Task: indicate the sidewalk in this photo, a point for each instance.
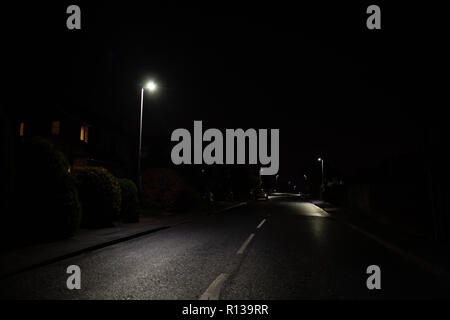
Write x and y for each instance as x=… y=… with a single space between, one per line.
x=428 y=254
x=24 y=258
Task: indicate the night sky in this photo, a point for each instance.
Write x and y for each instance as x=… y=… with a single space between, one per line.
x=332 y=87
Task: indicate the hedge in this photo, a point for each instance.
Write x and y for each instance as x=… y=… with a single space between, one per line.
x=165 y=189
x=45 y=193
x=130 y=202
x=161 y=188
x=100 y=196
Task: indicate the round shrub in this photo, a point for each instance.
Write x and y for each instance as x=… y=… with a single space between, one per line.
x=99 y=193
x=130 y=202
x=161 y=188
x=45 y=193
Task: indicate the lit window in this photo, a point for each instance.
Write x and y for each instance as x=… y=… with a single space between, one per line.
x=84 y=133
x=21 y=126
x=56 y=126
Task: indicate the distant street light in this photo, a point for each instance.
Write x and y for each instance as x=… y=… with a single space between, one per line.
x=322 y=185
x=321 y=161
x=150 y=86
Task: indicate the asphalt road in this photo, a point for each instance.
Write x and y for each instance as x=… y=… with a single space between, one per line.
x=277 y=249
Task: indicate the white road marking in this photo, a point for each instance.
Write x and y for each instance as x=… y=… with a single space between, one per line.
x=213 y=291
x=260 y=225
x=245 y=244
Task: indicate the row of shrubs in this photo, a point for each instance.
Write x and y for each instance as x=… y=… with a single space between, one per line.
x=164 y=189
x=52 y=202
x=105 y=198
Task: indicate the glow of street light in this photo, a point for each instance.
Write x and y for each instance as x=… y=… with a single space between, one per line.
x=320 y=159
x=151 y=86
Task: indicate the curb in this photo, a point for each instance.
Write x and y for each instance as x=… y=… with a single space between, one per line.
x=406 y=254
x=109 y=243
x=84 y=250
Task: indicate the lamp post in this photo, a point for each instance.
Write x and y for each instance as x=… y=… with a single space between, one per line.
x=322 y=185
x=150 y=86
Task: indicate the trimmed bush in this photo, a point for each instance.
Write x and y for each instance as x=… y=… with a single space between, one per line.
x=164 y=189
x=99 y=193
x=161 y=188
x=130 y=202
x=45 y=193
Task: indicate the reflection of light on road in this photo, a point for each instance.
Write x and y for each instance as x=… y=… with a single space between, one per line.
x=307 y=209
x=318 y=229
x=277 y=195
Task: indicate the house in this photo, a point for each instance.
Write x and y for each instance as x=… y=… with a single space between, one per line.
x=71 y=134
x=84 y=140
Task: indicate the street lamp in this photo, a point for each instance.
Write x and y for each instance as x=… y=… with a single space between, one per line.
x=150 y=86
x=321 y=161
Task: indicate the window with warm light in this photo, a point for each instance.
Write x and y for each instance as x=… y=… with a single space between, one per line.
x=84 y=133
x=56 y=127
x=21 y=127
